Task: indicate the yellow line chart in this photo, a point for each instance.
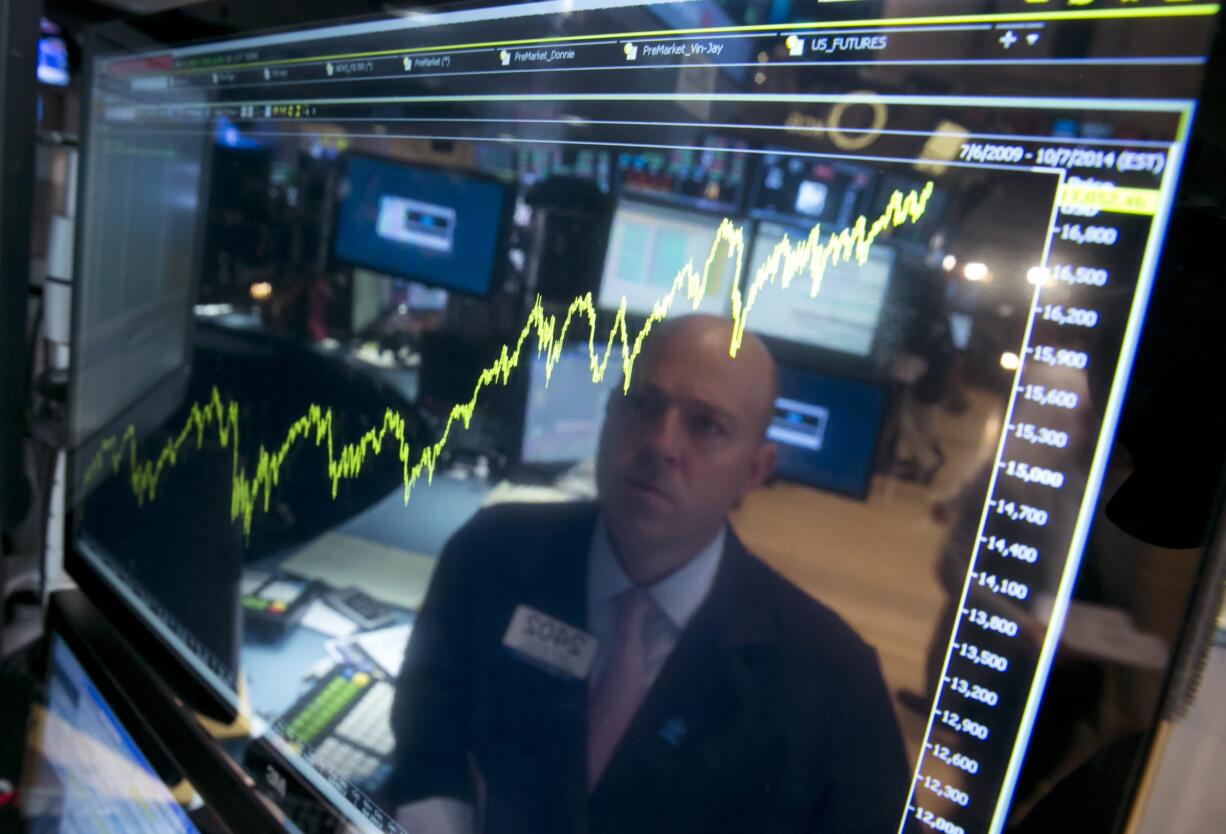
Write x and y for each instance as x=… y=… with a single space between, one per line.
x=787 y=261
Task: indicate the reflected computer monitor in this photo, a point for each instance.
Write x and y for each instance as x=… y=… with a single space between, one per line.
x=375 y=294
x=808 y=190
x=563 y=416
x=826 y=429
x=434 y=226
x=842 y=317
x=648 y=244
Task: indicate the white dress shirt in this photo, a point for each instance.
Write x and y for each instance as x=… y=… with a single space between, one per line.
x=676 y=597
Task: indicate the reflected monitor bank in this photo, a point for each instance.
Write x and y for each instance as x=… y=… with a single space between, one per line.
x=705 y=631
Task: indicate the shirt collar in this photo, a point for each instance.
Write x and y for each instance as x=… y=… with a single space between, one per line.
x=678 y=595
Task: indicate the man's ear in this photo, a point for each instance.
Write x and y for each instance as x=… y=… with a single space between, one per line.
x=760 y=467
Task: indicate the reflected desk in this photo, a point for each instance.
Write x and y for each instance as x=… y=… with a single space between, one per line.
x=388 y=551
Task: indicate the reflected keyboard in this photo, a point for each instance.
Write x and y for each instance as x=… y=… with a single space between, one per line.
x=345 y=719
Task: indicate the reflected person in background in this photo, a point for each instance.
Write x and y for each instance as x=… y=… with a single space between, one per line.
x=627 y=665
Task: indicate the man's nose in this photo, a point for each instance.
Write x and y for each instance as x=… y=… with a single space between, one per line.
x=665 y=435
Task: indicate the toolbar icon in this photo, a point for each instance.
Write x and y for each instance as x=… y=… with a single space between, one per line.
x=795 y=45
x=632 y=51
x=1032 y=38
x=504 y=57
x=408 y=63
x=330 y=69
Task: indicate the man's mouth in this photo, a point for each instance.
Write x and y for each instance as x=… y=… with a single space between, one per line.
x=648 y=487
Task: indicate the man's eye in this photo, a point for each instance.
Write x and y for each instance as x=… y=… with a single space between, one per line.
x=709 y=427
x=638 y=402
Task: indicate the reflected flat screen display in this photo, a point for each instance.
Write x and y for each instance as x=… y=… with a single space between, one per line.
x=435 y=226
x=723 y=624
x=562 y=419
x=826 y=429
x=842 y=316
x=646 y=242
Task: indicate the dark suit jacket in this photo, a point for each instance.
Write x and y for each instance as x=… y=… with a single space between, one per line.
x=770 y=715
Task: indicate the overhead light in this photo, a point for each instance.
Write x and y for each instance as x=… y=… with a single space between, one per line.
x=1040 y=276
x=975 y=271
x=1009 y=361
x=949 y=262
x=261 y=290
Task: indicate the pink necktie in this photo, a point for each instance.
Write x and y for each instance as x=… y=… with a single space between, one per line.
x=621 y=689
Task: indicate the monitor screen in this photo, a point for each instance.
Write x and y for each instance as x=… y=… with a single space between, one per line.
x=844 y=313
x=826 y=429
x=648 y=245
x=53 y=61
x=564 y=410
x=436 y=226
x=718 y=626
x=85 y=771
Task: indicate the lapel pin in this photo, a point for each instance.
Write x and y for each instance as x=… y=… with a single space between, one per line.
x=673 y=732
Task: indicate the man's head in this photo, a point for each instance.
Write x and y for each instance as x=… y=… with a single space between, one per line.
x=685 y=444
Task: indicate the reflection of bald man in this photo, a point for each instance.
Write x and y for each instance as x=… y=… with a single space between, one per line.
x=720 y=697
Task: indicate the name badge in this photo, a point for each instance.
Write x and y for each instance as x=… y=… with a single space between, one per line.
x=550 y=643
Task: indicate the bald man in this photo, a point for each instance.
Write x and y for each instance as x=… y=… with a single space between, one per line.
x=628 y=666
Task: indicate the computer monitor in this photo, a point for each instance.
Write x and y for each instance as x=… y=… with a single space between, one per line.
x=842 y=317
x=562 y=418
x=792 y=189
x=89 y=772
x=914 y=661
x=435 y=226
x=52 y=55
x=108 y=748
x=826 y=429
x=650 y=244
